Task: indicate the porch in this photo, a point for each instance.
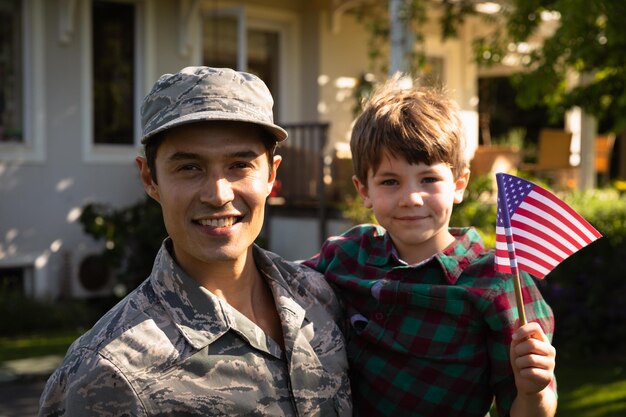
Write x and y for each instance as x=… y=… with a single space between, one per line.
x=303 y=206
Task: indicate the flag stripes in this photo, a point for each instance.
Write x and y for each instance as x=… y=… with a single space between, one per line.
x=542 y=230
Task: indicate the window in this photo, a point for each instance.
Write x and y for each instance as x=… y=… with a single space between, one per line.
x=112 y=77
x=22 y=110
x=113 y=34
x=258 y=53
x=11 y=94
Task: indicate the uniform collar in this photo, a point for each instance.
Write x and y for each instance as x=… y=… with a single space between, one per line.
x=198 y=314
x=453 y=260
x=202 y=317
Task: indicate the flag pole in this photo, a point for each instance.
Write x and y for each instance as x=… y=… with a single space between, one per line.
x=519 y=299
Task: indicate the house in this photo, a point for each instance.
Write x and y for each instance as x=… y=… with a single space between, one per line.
x=72 y=77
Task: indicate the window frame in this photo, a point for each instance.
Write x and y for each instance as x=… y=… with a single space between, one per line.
x=111 y=153
x=32 y=148
x=286 y=25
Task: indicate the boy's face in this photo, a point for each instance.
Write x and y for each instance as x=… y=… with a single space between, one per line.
x=213 y=181
x=413 y=202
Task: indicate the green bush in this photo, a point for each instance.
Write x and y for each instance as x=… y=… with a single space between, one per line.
x=478 y=209
x=132 y=234
x=33 y=316
x=588 y=291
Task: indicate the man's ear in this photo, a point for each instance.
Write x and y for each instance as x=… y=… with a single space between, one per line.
x=460 y=185
x=146 y=178
x=363 y=191
x=270 y=184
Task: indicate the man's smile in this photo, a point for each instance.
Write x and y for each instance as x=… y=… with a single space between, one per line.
x=219 y=222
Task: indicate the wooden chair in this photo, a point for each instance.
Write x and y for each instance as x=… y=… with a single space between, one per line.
x=553 y=159
x=604 y=148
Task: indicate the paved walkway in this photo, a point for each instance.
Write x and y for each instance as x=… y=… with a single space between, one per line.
x=21 y=384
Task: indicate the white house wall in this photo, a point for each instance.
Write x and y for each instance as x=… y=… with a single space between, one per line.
x=41 y=195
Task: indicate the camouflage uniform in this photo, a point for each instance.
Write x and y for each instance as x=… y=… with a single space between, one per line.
x=171 y=347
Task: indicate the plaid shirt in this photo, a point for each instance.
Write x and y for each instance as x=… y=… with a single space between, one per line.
x=430 y=339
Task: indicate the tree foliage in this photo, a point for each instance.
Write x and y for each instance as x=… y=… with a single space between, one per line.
x=589 y=42
x=374 y=16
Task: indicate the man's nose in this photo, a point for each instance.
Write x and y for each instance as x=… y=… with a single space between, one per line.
x=217 y=191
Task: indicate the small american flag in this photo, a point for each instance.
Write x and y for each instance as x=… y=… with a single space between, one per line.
x=535 y=230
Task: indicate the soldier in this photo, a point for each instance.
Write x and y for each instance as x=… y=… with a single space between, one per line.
x=221 y=327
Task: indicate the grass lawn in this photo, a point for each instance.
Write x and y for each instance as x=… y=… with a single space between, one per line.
x=587 y=388
x=591 y=388
x=36 y=345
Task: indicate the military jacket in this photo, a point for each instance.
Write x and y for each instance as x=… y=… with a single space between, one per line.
x=172 y=348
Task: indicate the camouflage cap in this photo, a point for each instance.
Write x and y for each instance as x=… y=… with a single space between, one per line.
x=201 y=94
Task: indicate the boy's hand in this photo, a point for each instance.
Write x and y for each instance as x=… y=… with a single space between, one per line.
x=532 y=359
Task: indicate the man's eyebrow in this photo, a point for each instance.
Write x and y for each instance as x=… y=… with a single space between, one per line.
x=185 y=156
x=182 y=156
x=245 y=154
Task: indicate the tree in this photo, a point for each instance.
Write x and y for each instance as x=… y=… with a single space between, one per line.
x=384 y=18
x=589 y=40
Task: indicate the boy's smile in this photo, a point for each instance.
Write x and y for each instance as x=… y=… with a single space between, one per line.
x=413 y=202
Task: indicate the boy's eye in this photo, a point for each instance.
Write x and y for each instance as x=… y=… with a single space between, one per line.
x=389 y=182
x=429 y=180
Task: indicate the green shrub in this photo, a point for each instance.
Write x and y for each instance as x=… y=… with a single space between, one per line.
x=33 y=316
x=588 y=291
x=132 y=234
x=478 y=209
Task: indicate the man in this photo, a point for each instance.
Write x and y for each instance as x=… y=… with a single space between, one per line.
x=221 y=327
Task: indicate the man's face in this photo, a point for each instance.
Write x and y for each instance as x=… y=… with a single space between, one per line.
x=213 y=180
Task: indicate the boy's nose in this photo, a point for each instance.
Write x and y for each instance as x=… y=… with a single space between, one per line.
x=412 y=198
x=217 y=192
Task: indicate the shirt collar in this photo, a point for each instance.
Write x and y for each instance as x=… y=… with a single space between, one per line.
x=453 y=260
x=198 y=314
x=202 y=317
x=467 y=247
x=381 y=250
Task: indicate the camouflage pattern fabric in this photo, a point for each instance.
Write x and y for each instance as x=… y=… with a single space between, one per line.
x=172 y=348
x=202 y=94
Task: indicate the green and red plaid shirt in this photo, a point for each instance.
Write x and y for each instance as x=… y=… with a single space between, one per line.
x=430 y=339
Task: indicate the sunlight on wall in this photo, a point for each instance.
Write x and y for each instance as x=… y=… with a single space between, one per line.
x=345 y=82
x=74 y=214
x=64 y=184
x=42 y=260
x=56 y=245
x=11 y=234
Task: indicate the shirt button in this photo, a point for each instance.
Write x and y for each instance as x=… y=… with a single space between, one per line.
x=379 y=316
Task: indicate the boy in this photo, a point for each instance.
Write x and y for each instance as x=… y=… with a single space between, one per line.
x=433 y=325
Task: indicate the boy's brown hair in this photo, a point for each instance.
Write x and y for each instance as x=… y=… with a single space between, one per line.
x=418 y=124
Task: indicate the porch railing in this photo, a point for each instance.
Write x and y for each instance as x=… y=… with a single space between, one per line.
x=300 y=179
